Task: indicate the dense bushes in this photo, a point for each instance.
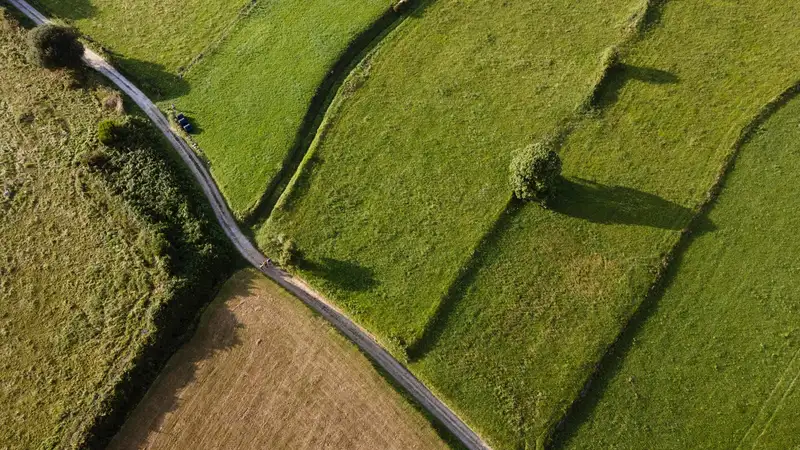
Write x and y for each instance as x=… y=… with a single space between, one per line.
x=535 y=170
x=53 y=46
x=193 y=249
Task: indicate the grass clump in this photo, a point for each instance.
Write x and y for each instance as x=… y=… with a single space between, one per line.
x=716 y=358
x=101 y=271
x=109 y=132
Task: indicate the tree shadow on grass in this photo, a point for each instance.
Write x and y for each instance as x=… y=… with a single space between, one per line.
x=598 y=203
x=345 y=275
x=152 y=78
x=219 y=330
x=616 y=78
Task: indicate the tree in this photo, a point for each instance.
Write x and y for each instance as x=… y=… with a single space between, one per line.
x=53 y=46
x=535 y=170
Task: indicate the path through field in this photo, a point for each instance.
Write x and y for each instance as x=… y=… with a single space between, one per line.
x=315 y=301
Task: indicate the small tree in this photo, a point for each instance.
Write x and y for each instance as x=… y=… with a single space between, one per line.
x=53 y=46
x=288 y=254
x=535 y=170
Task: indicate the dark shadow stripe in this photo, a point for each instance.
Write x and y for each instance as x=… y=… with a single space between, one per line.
x=613 y=358
x=319 y=105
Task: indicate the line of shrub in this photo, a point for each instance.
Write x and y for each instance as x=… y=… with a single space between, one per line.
x=193 y=248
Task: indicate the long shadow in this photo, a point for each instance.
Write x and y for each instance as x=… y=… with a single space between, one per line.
x=604 y=204
x=578 y=198
x=218 y=331
x=607 y=93
x=71 y=10
x=438 y=322
x=611 y=362
x=152 y=78
x=319 y=105
x=344 y=275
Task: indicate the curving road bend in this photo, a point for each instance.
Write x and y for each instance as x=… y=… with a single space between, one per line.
x=301 y=290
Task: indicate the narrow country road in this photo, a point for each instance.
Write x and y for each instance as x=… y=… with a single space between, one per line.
x=315 y=301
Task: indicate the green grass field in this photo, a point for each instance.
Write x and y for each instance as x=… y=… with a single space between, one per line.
x=526 y=323
x=410 y=170
x=248 y=94
x=251 y=95
x=88 y=275
x=154 y=39
x=716 y=363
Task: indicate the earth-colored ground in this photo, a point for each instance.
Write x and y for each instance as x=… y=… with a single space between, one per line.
x=264 y=372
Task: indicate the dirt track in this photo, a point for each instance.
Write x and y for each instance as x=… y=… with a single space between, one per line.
x=301 y=290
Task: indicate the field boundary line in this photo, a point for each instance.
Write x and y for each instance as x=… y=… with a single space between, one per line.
x=667 y=269
x=765 y=415
x=323 y=100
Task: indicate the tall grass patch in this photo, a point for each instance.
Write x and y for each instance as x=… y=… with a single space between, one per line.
x=105 y=258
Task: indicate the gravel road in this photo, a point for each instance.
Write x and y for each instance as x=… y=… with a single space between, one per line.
x=300 y=289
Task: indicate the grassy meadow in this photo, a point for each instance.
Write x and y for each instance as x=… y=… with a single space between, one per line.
x=251 y=96
x=99 y=273
x=531 y=314
x=716 y=363
x=248 y=71
x=262 y=371
x=153 y=41
x=410 y=168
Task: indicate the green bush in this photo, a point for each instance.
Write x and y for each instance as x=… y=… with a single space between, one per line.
x=401 y=6
x=53 y=46
x=535 y=170
x=284 y=250
x=109 y=132
x=288 y=255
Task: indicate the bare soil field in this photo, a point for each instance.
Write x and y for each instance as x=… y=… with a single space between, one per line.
x=263 y=372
